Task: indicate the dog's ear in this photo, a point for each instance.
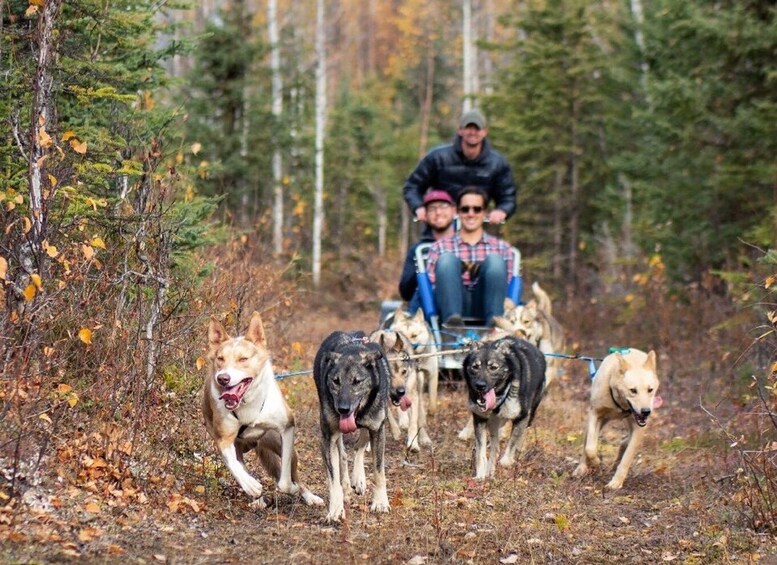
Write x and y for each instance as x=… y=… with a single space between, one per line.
x=650 y=362
x=623 y=365
x=255 y=332
x=509 y=304
x=400 y=313
x=371 y=356
x=419 y=315
x=332 y=358
x=216 y=336
x=504 y=346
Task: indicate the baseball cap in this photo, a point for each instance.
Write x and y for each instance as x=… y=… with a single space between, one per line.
x=437 y=196
x=472 y=117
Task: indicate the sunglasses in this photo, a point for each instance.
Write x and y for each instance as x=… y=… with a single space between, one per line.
x=467 y=209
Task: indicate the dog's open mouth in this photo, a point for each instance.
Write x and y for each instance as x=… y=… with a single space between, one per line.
x=487 y=401
x=403 y=402
x=234 y=394
x=640 y=417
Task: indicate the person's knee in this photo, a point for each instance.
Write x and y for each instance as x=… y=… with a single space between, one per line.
x=448 y=265
x=494 y=265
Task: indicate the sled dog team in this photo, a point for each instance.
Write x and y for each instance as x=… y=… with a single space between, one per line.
x=362 y=380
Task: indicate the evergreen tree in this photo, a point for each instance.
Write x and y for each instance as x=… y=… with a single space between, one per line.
x=707 y=161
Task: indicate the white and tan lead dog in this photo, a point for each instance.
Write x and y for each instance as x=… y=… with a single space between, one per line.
x=244 y=409
x=624 y=388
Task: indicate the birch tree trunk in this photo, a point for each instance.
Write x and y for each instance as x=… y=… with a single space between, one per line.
x=40 y=140
x=467 y=54
x=318 y=207
x=277 y=109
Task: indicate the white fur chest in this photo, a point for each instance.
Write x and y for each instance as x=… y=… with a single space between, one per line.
x=263 y=405
x=511 y=407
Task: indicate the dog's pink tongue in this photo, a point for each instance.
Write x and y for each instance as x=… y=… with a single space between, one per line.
x=657 y=402
x=490 y=399
x=348 y=423
x=405 y=403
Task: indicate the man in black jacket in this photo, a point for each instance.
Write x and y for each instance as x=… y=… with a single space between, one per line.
x=468 y=161
x=440 y=210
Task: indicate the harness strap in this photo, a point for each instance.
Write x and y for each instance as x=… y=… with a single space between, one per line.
x=624 y=410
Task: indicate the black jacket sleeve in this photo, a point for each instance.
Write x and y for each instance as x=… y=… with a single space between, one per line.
x=504 y=188
x=423 y=177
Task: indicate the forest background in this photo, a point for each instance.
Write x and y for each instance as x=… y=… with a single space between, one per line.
x=163 y=162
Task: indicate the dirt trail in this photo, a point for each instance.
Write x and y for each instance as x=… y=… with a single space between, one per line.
x=670 y=508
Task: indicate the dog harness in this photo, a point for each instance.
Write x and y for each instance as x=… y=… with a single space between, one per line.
x=624 y=410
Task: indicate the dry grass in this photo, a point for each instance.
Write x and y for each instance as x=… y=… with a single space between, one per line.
x=168 y=498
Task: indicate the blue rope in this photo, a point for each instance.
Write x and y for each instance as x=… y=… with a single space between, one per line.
x=282 y=376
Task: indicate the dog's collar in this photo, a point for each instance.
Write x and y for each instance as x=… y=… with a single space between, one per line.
x=513 y=386
x=621 y=408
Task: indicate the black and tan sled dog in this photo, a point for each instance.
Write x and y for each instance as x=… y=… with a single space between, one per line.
x=505 y=382
x=352 y=379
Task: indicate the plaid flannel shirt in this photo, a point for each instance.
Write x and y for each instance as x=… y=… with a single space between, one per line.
x=471 y=256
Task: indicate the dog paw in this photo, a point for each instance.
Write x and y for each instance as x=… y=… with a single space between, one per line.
x=359 y=483
x=251 y=487
x=380 y=506
x=507 y=462
x=413 y=446
x=311 y=499
x=580 y=471
x=258 y=504
x=288 y=487
x=614 y=484
x=425 y=440
x=335 y=515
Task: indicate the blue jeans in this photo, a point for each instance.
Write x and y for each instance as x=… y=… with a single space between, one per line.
x=485 y=299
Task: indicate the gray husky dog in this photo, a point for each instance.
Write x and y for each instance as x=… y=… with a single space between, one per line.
x=352 y=379
x=505 y=381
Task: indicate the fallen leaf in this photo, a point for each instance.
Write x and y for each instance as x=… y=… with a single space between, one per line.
x=29 y=292
x=85 y=335
x=512 y=558
x=88 y=534
x=88 y=251
x=92 y=507
x=78 y=147
x=45 y=418
x=36 y=280
x=3 y=267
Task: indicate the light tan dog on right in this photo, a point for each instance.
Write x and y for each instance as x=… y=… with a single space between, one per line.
x=624 y=388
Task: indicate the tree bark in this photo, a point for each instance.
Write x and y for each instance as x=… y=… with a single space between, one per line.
x=277 y=110
x=467 y=55
x=40 y=118
x=318 y=207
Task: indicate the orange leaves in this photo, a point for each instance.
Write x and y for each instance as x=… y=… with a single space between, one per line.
x=85 y=335
x=178 y=503
x=3 y=268
x=78 y=146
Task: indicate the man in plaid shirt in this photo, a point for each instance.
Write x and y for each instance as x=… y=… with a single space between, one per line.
x=471 y=270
